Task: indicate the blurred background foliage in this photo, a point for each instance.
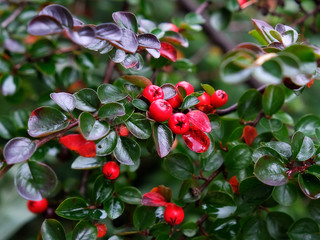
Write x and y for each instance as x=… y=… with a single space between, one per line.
x=26 y=83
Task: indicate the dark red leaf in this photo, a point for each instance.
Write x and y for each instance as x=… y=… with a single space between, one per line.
x=153 y=199
x=200 y=120
x=196 y=140
x=109 y=31
x=164 y=191
x=128 y=42
x=149 y=40
x=76 y=142
x=249 y=134
x=44 y=25
x=126 y=20
x=153 y=52
x=234 y=184
x=175 y=38
x=60 y=13
x=168 y=51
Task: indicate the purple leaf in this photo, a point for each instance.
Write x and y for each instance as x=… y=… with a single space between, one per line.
x=60 y=13
x=117 y=55
x=99 y=45
x=153 y=52
x=77 y=23
x=126 y=20
x=44 y=25
x=146 y=25
x=82 y=36
x=109 y=31
x=13 y=46
x=128 y=42
x=130 y=61
x=149 y=40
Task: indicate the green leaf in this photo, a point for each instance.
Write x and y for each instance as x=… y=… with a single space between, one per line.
x=278 y=224
x=189 y=101
x=272 y=99
x=314 y=170
x=264 y=151
x=233 y=72
x=92 y=129
x=220 y=19
x=302 y=147
x=46 y=120
x=249 y=105
x=208 y=88
x=47 y=67
x=98 y=214
x=189 y=229
x=65 y=100
x=270 y=171
x=304 y=228
x=269 y=72
x=42 y=48
x=102 y=189
x=107 y=144
x=87 y=163
x=68 y=76
x=290 y=64
x=84 y=230
x=132 y=90
x=139 y=126
x=284 y=149
x=310 y=185
x=272 y=125
x=130 y=195
x=73 y=208
x=308 y=125
x=193 y=18
x=108 y=93
x=139 y=81
x=185 y=65
x=239 y=157
x=179 y=166
x=129 y=110
x=160 y=229
x=127 y=151
x=254 y=191
x=143 y=217
x=163 y=139
x=314 y=210
x=219 y=205
x=87 y=100
x=254 y=228
x=20 y=118
x=212 y=162
x=114 y=207
x=140 y=104
x=18 y=149
x=85 y=61
x=285 y=195
x=52 y=229
x=35 y=180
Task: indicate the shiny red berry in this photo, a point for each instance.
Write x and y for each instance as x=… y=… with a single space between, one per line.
x=153 y=92
x=123 y=131
x=204 y=99
x=37 y=206
x=173 y=214
x=179 y=123
x=160 y=110
x=187 y=86
x=219 y=98
x=175 y=102
x=102 y=230
x=111 y=170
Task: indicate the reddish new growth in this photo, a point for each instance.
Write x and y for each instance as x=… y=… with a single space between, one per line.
x=300 y=169
x=234 y=184
x=249 y=134
x=76 y=142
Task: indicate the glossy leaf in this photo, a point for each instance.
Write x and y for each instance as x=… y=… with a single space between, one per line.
x=174 y=38
x=278 y=224
x=87 y=100
x=128 y=41
x=82 y=36
x=149 y=40
x=126 y=20
x=46 y=67
x=140 y=104
x=179 y=166
x=114 y=207
x=102 y=189
x=196 y=140
x=108 y=93
x=91 y=128
x=73 y=208
x=168 y=51
x=271 y=125
x=239 y=157
x=304 y=228
x=143 y=217
x=65 y=100
x=129 y=194
x=52 y=229
x=84 y=230
x=302 y=147
x=284 y=149
x=254 y=191
x=254 y=228
x=308 y=124
x=60 y=13
x=76 y=142
x=270 y=171
x=44 y=25
x=264 y=151
x=139 y=81
x=212 y=162
x=129 y=110
x=200 y=120
x=310 y=185
x=168 y=90
x=163 y=139
x=270 y=72
x=87 y=163
x=18 y=149
x=139 y=126
x=189 y=101
x=109 y=31
x=232 y=72
x=249 y=105
x=153 y=199
x=272 y=99
x=285 y=195
x=127 y=151
x=111 y=110
x=107 y=144
x=35 y=180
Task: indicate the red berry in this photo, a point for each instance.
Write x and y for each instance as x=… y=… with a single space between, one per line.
x=160 y=110
x=173 y=214
x=241 y=2
x=102 y=230
x=37 y=206
x=179 y=123
x=219 y=98
x=187 y=86
x=111 y=170
x=204 y=99
x=123 y=131
x=175 y=102
x=173 y=27
x=153 y=92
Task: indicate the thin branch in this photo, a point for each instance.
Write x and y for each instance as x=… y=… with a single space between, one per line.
x=109 y=71
x=202 y=7
x=13 y=16
x=306 y=16
x=83 y=182
x=5 y=170
x=210 y=179
x=154 y=75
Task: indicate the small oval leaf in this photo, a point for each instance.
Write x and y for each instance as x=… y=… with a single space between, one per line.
x=18 y=149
